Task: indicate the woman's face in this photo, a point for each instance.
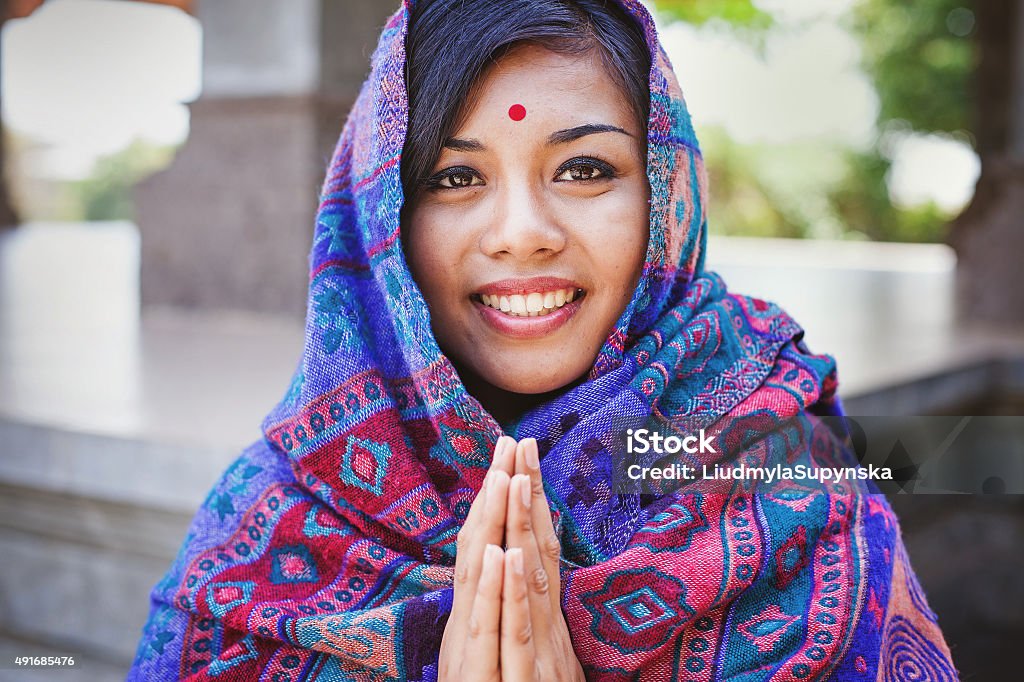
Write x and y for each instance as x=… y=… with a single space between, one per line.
x=529 y=238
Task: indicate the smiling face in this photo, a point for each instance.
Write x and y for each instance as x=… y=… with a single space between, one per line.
x=529 y=236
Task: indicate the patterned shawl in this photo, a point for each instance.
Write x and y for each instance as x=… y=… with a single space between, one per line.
x=326 y=551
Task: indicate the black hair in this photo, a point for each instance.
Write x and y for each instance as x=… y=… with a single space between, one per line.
x=451 y=42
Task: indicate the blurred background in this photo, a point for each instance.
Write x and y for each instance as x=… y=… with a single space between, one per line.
x=161 y=163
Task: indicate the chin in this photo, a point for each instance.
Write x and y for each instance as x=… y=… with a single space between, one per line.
x=538 y=380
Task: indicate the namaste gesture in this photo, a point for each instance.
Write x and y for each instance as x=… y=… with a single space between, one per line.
x=506 y=622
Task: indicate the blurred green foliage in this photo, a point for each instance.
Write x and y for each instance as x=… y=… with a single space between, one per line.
x=920 y=57
x=770 y=190
x=861 y=201
x=737 y=13
x=107 y=193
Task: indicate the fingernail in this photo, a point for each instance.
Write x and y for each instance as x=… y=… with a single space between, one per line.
x=532 y=460
x=524 y=489
x=515 y=555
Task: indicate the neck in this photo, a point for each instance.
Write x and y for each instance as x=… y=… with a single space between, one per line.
x=507 y=406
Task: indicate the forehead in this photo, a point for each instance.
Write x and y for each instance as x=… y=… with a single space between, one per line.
x=549 y=85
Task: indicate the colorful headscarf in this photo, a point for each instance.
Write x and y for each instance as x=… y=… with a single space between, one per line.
x=326 y=551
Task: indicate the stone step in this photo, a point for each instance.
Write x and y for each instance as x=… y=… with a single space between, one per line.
x=78 y=570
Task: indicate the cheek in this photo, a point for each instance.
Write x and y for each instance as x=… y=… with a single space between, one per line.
x=426 y=253
x=617 y=239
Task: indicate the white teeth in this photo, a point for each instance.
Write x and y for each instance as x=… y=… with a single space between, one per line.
x=533 y=304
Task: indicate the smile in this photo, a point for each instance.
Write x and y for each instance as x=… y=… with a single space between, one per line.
x=531 y=304
x=528 y=308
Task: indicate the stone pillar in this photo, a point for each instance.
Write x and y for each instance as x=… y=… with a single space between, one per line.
x=989 y=235
x=229 y=224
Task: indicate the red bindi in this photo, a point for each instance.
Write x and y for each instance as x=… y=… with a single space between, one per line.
x=517 y=112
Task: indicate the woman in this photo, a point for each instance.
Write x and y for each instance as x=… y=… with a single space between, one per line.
x=507 y=274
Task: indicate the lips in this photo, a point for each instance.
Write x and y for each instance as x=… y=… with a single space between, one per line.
x=530 y=304
x=529 y=308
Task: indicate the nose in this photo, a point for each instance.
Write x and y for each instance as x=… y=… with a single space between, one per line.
x=523 y=225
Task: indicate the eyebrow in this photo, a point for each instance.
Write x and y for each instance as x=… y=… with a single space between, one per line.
x=571 y=134
x=557 y=137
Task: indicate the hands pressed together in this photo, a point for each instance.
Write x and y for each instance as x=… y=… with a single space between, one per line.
x=506 y=622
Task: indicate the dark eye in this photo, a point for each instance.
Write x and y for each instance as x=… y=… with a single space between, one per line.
x=460 y=179
x=454 y=178
x=584 y=169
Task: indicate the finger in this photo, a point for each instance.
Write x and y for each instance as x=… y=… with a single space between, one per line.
x=518 y=654
x=504 y=455
x=503 y=458
x=519 y=534
x=488 y=529
x=482 y=526
x=503 y=451
x=548 y=545
x=480 y=656
x=520 y=457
